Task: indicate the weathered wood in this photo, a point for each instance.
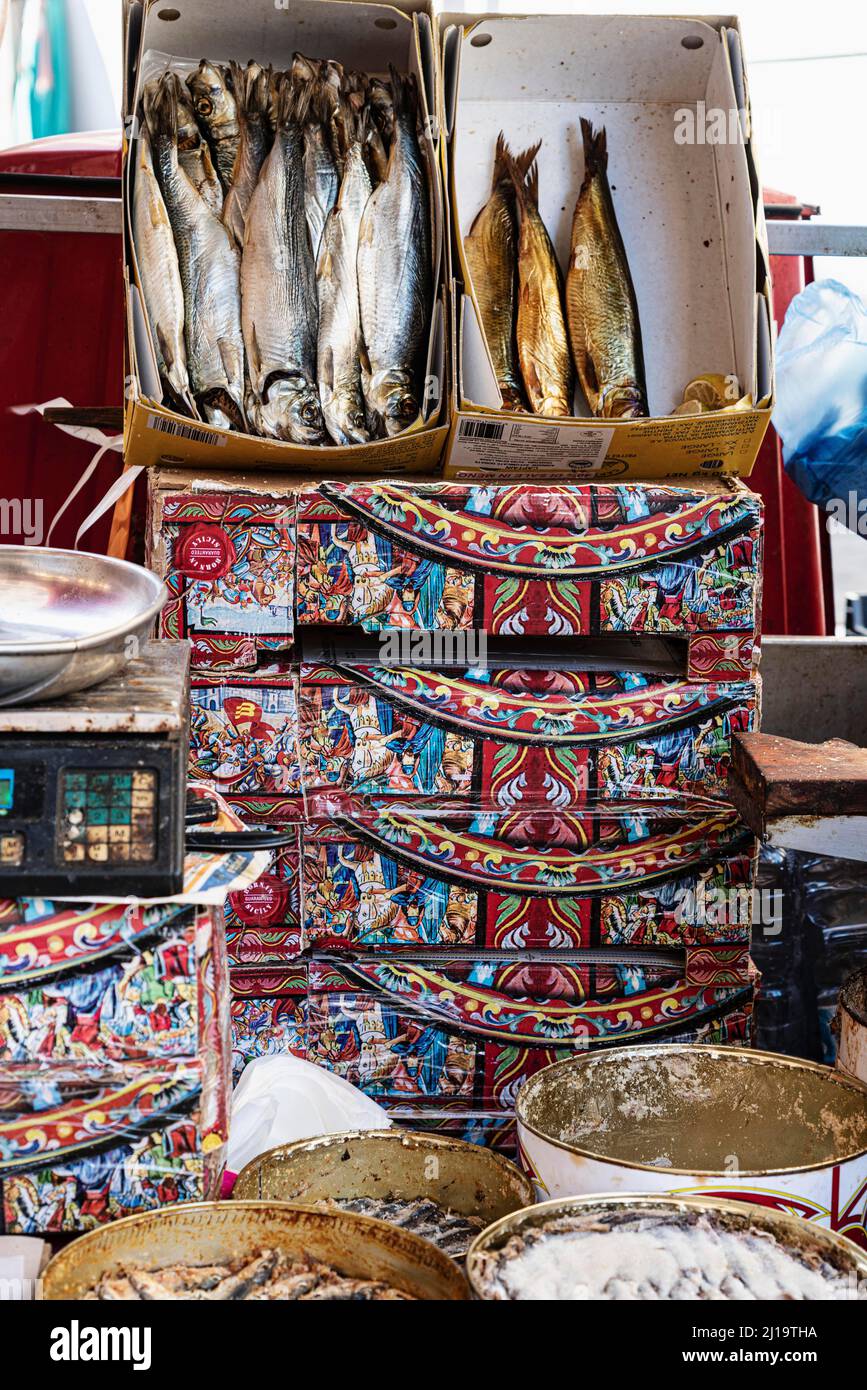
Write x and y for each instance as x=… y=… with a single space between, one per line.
x=773 y=778
x=101 y=417
x=150 y=695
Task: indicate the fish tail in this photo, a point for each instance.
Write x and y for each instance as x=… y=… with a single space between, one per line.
x=524 y=178
x=525 y=160
x=404 y=93
x=294 y=102
x=161 y=107
x=595 y=151
x=502 y=155
x=252 y=89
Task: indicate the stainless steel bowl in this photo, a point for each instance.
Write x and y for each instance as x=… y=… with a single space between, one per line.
x=198 y=1233
x=69 y=619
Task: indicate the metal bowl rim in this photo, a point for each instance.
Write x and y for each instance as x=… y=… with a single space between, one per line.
x=447 y=1267
x=94 y=639
x=725 y=1205
x=647 y=1050
x=392 y=1134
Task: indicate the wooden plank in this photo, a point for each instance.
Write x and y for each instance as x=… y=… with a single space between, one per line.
x=773 y=777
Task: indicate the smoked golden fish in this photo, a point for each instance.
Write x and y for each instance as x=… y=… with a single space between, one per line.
x=543 y=344
x=601 y=309
x=491 y=250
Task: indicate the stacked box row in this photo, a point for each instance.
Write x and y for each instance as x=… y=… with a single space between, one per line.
x=249 y=564
x=114 y=1060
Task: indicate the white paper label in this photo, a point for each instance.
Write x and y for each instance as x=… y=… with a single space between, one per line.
x=180 y=430
x=510 y=446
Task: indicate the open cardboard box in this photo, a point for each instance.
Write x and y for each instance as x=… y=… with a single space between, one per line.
x=365 y=36
x=690 y=216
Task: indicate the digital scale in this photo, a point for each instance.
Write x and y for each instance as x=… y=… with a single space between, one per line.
x=93 y=785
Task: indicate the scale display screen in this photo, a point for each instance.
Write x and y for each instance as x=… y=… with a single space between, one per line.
x=7 y=789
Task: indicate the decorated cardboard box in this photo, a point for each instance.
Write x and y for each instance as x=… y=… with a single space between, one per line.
x=243 y=735
x=539 y=560
x=227 y=556
x=111 y=983
x=511 y=735
x=83 y=1144
x=404 y=877
x=269 y=1012
x=462 y=1033
x=263 y=922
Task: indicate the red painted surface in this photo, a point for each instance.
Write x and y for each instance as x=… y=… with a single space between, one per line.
x=795 y=571
x=61 y=330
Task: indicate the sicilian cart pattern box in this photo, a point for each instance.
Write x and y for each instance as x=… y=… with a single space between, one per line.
x=244 y=734
x=398 y=877
x=263 y=922
x=539 y=560
x=114 y=1060
x=446 y=1034
x=228 y=562
x=269 y=1012
x=84 y=1144
x=511 y=736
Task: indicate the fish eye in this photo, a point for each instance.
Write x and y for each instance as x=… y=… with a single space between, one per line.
x=204 y=106
x=357 y=420
x=309 y=414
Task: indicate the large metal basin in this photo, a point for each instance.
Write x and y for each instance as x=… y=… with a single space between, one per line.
x=199 y=1233
x=69 y=620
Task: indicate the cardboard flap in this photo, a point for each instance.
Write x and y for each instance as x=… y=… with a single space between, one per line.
x=540 y=715
x=470 y=1008
x=559 y=541
x=476 y=858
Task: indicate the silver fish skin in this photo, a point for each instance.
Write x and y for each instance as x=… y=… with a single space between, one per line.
x=278 y=288
x=194 y=153
x=321 y=182
x=209 y=269
x=252 y=87
x=394 y=272
x=160 y=275
x=215 y=107
x=338 y=358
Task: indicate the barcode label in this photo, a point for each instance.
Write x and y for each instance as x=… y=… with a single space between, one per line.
x=481 y=429
x=181 y=430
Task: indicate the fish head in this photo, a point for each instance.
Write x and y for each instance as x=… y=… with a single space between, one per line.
x=347 y=423
x=292 y=411
x=392 y=397
x=212 y=99
x=625 y=401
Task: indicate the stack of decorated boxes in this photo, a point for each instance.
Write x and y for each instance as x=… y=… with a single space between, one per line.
x=511 y=710
x=114 y=1060
x=225 y=546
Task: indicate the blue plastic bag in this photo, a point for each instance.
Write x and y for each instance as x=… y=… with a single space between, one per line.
x=821 y=412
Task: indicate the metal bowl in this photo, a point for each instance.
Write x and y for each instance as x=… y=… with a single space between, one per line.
x=67 y=619
x=390 y=1163
x=792 y=1231
x=213 y=1232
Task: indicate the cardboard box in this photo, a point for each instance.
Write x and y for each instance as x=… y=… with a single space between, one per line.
x=463 y=1034
x=360 y=35
x=269 y=1012
x=539 y=560
x=244 y=734
x=672 y=96
x=228 y=561
x=413 y=876
x=514 y=736
x=263 y=922
x=110 y=1142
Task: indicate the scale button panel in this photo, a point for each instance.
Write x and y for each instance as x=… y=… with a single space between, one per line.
x=107 y=815
x=11 y=851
